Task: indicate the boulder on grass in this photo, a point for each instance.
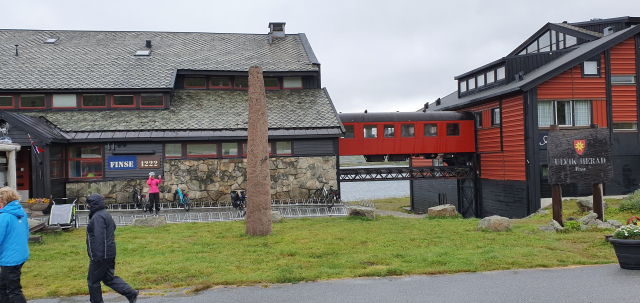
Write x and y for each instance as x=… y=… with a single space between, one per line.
x=275 y=216
x=154 y=221
x=586 y=204
x=556 y=226
x=446 y=210
x=588 y=219
x=546 y=228
x=357 y=211
x=495 y=223
x=615 y=223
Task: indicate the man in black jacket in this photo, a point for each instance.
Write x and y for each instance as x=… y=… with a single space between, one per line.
x=101 y=246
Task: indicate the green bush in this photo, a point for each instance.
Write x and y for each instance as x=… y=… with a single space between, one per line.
x=572 y=225
x=631 y=203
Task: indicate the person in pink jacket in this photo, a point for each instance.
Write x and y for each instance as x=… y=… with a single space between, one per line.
x=154 y=193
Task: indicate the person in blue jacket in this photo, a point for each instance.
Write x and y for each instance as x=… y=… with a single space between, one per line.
x=14 y=246
x=101 y=247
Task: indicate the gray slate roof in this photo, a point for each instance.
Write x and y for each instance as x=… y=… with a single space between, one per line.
x=105 y=60
x=197 y=110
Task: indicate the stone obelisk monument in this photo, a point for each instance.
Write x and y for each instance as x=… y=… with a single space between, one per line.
x=258 y=179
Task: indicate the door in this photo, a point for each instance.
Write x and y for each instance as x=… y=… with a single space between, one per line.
x=23 y=169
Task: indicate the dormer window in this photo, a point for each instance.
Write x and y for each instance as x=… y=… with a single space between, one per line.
x=549 y=41
x=472 y=83
x=491 y=77
x=480 y=80
x=463 y=86
x=500 y=72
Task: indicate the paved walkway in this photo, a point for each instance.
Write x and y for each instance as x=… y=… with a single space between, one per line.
x=602 y=283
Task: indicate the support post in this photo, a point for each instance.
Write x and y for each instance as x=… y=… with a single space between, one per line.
x=12 y=180
x=556 y=193
x=598 y=208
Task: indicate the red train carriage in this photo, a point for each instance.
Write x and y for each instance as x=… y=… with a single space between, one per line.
x=397 y=136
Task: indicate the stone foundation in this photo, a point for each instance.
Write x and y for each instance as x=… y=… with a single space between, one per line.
x=214 y=179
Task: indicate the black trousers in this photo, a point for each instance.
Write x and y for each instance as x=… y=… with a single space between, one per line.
x=104 y=271
x=154 y=200
x=10 y=288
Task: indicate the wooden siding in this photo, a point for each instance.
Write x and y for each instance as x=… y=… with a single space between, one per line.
x=492 y=166
x=313 y=148
x=486 y=118
x=489 y=140
x=132 y=149
x=513 y=138
x=600 y=112
x=625 y=104
x=571 y=85
x=623 y=58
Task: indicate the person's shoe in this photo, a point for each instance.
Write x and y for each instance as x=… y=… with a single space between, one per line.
x=135 y=297
x=157 y=211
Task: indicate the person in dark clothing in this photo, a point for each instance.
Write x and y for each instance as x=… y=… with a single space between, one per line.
x=14 y=249
x=101 y=247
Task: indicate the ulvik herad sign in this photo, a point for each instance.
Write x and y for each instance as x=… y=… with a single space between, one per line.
x=579 y=156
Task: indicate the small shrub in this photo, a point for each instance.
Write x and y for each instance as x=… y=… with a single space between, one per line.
x=631 y=203
x=572 y=226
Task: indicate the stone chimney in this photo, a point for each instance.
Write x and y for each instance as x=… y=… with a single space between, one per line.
x=276 y=30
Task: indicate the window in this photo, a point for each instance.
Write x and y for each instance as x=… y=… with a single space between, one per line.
x=32 y=101
x=495 y=116
x=545 y=171
x=389 y=131
x=532 y=48
x=271 y=83
x=563 y=113
x=430 y=130
x=582 y=113
x=554 y=44
x=453 y=129
x=570 y=41
x=478 y=119
x=173 y=150
x=545 y=113
x=57 y=157
x=6 y=102
x=202 y=150
x=123 y=101
x=349 y=132
x=560 y=40
x=544 y=42
x=85 y=161
x=143 y=53
x=625 y=126
x=472 y=83
x=480 y=80
x=91 y=100
x=195 y=82
x=241 y=82
x=245 y=150
x=590 y=68
x=229 y=149
x=370 y=131
x=64 y=101
x=614 y=80
x=292 y=82
x=463 y=86
x=407 y=130
x=283 y=148
x=151 y=100
x=220 y=83
x=491 y=77
x=500 y=73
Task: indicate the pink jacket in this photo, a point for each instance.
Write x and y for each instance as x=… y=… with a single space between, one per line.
x=153 y=185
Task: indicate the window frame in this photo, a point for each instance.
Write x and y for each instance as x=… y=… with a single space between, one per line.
x=301 y=83
x=87 y=160
x=453 y=123
x=598 y=73
x=555 y=117
x=554 y=113
x=184 y=83
x=240 y=88
x=283 y=154
x=493 y=78
x=123 y=106
x=164 y=151
x=65 y=165
x=151 y=106
x=211 y=86
x=484 y=80
x=623 y=83
x=388 y=126
x=465 y=86
x=353 y=128
x=204 y=155
x=230 y=156
x=478 y=119
x=625 y=129
x=63 y=107
x=407 y=124
x=493 y=117
x=23 y=107
x=244 y=146
x=504 y=72
x=13 y=101
x=424 y=133
x=82 y=101
x=272 y=87
x=372 y=126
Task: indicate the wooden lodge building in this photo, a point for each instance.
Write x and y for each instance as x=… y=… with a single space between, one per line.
x=107 y=108
x=569 y=74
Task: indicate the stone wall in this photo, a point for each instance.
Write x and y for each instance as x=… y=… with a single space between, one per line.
x=214 y=179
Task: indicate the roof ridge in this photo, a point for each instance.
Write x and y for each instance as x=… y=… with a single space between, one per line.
x=580 y=29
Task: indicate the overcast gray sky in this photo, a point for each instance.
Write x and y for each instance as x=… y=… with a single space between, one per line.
x=376 y=55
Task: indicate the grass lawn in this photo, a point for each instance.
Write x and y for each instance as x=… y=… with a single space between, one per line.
x=218 y=253
x=395 y=204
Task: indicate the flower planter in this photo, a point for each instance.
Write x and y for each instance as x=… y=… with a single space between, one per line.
x=628 y=252
x=38 y=206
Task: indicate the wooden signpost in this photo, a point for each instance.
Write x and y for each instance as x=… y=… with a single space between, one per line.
x=580 y=156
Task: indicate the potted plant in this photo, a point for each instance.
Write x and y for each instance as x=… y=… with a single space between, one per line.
x=626 y=242
x=38 y=204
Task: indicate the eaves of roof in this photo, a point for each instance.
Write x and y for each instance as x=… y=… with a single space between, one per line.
x=499 y=61
x=581 y=53
x=34 y=126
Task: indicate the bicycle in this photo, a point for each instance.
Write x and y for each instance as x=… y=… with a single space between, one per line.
x=141 y=200
x=239 y=202
x=182 y=199
x=328 y=197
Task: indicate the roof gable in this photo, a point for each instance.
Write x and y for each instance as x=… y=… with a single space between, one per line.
x=543 y=34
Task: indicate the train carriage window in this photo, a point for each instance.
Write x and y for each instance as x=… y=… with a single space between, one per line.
x=479 y=120
x=349 y=132
x=407 y=130
x=389 y=131
x=495 y=116
x=430 y=130
x=370 y=131
x=453 y=129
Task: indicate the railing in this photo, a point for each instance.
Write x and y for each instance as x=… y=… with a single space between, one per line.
x=212 y=204
x=404 y=173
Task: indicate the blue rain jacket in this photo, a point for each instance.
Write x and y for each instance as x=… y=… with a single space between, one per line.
x=14 y=235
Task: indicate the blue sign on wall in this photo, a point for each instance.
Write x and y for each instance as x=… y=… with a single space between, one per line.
x=122 y=162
